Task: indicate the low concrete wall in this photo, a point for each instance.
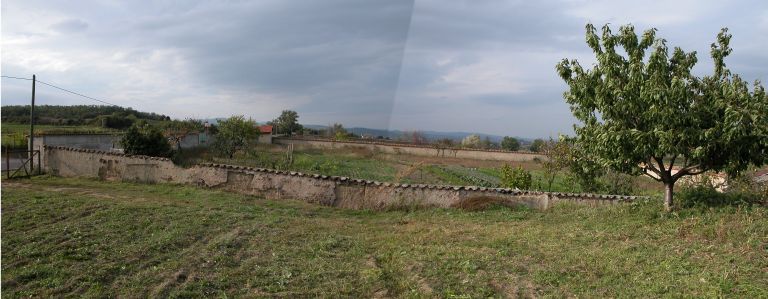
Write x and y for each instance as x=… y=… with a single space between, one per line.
x=327 y=190
x=412 y=149
x=89 y=141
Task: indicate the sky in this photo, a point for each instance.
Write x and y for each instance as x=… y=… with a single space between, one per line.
x=482 y=66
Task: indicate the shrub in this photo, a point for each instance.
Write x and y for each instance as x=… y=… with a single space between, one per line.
x=515 y=177
x=145 y=139
x=702 y=195
x=618 y=183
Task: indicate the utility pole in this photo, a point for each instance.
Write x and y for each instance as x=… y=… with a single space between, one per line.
x=32 y=127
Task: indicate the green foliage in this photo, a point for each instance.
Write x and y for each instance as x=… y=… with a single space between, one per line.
x=341 y=136
x=537 y=145
x=145 y=139
x=510 y=143
x=703 y=196
x=515 y=177
x=287 y=123
x=77 y=115
x=338 y=132
x=234 y=134
x=462 y=176
x=614 y=182
x=644 y=114
x=559 y=157
x=115 y=120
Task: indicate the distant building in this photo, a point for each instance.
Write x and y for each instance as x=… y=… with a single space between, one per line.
x=267 y=132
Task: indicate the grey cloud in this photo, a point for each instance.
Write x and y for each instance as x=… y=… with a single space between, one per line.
x=70 y=26
x=430 y=65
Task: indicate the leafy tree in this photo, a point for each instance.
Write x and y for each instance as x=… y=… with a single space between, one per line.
x=234 y=134
x=510 y=143
x=583 y=167
x=537 y=145
x=558 y=158
x=471 y=141
x=145 y=139
x=287 y=123
x=650 y=115
x=515 y=177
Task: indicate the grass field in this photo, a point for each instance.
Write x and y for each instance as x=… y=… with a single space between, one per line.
x=364 y=164
x=73 y=237
x=13 y=135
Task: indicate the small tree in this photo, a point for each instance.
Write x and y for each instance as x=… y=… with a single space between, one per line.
x=176 y=130
x=444 y=143
x=234 y=134
x=337 y=130
x=515 y=177
x=287 y=123
x=471 y=141
x=558 y=157
x=537 y=145
x=510 y=143
x=145 y=139
x=651 y=115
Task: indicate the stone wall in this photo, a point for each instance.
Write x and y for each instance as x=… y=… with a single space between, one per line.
x=412 y=149
x=327 y=190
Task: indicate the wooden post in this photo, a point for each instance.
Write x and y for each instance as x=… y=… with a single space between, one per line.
x=32 y=126
x=7 y=164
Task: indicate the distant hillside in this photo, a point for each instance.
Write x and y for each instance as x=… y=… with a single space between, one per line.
x=109 y=116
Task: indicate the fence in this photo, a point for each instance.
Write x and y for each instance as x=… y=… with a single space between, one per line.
x=21 y=163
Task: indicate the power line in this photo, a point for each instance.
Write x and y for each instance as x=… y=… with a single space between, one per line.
x=64 y=89
x=75 y=93
x=16 y=78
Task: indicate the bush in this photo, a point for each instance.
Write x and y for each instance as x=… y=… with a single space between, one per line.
x=703 y=195
x=515 y=177
x=618 y=183
x=144 y=139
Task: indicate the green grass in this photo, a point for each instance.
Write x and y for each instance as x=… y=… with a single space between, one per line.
x=78 y=237
x=13 y=135
x=368 y=165
x=328 y=162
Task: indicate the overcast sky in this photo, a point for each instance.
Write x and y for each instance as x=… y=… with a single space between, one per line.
x=480 y=66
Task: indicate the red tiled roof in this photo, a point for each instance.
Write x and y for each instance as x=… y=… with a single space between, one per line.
x=265 y=129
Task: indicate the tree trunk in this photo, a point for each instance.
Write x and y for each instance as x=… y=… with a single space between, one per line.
x=668 y=196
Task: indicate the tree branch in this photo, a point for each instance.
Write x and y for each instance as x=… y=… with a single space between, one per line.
x=645 y=172
x=672 y=163
x=688 y=170
x=665 y=172
x=649 y=165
